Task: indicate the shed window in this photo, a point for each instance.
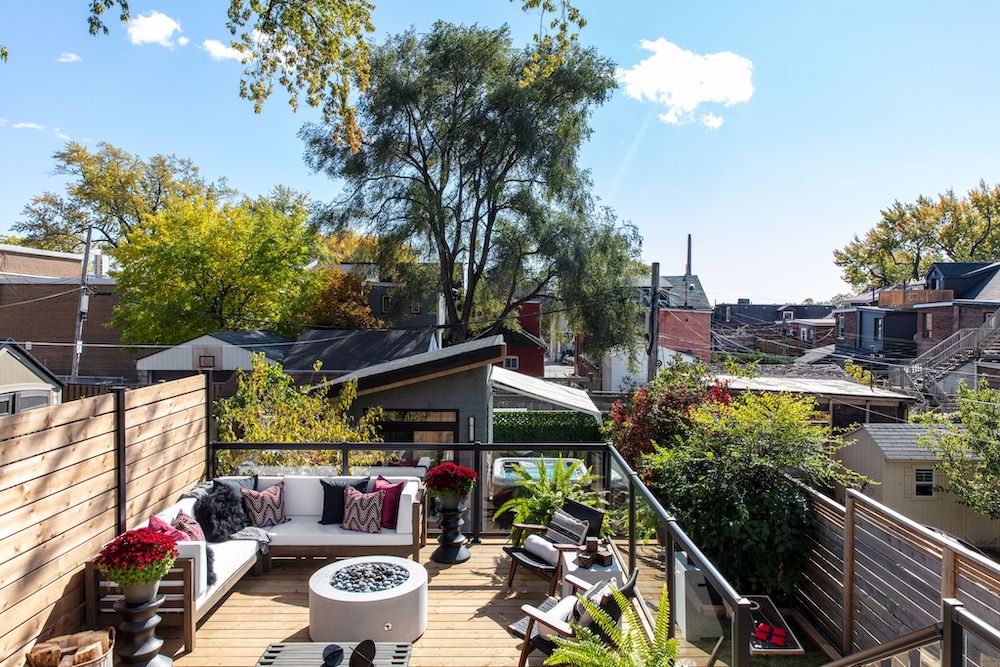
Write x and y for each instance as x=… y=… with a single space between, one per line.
x=928 y=325
x=415 y=308
x=787 y=314
x=385 y=303
x=729 y=313
x=877 y=326
x=924 y=482
x=29 y=400
x=6 y=404
x=840 y=326
x=512 y=363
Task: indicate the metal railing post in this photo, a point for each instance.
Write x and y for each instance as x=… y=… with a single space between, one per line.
x=477 y=498
x=121 y=480
x=632 y=527
x=671 y=578
x=345 y=460
x=847 y=619
x=953 y=637
x=741 y=634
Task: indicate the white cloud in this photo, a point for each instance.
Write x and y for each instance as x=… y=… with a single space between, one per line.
x=712 y=121
x=59 y=133
x=28 y=126
x=154 y=28
x=3 y=121
x=683 y=80
x=183 y=41
x=219 y=51
x=67 y=57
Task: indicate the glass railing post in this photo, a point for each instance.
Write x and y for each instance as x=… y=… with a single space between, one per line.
x=480 y=489
x=953 y=639
x=606 y=471
x=741 y=633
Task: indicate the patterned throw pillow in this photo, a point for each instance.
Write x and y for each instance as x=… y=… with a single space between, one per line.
x=595 y=595
x=566 y=529
x=186 y=523
x=161 y=526
x=363 y=511
x=267 y=507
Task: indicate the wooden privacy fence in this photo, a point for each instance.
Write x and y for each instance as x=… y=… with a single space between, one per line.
x=72 y=477
x=873 y=575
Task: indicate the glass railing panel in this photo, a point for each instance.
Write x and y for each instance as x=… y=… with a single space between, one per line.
x=702 y=618
x=980 y=653
x=925 y=656
x=617 y=517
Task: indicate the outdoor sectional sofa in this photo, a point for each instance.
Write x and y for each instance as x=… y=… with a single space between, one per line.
x=189 y=597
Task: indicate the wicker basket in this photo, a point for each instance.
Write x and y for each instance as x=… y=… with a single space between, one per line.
x=106 y=660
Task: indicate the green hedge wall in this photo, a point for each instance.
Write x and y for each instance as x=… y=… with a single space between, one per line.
x=545 y=426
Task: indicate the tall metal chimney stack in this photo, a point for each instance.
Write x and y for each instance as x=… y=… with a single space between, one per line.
x=687 y=271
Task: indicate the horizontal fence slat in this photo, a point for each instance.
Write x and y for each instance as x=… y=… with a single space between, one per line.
x=158 y=392
x=87 y=492
x=29 y=469
x=136 y=436
x=163 y=495
x=14 y=426
x=36 y=444
x=49 y=527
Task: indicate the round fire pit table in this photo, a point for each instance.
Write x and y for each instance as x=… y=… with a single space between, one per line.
x=383 y=598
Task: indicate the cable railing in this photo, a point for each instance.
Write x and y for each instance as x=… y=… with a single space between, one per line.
x=623 y=489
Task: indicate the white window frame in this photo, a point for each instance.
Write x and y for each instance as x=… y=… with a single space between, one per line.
x=512 y=362
x=729 y=313
x=788 y=315
x=926 y=484
x=878 y=328
x=841 y=326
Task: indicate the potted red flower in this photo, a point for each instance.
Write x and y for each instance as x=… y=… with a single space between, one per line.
x=137 y=560
x=450 y=483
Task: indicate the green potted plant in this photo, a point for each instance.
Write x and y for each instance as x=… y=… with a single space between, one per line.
x=616 y=646
x=537 y=499
x=137 y=560
x=450 y=483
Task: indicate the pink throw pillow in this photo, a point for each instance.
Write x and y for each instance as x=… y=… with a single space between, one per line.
x=390 y=506
x=161 y=526
x=186 y=523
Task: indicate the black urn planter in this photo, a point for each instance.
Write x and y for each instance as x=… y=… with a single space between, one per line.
x=453 y=544
x=137 y=641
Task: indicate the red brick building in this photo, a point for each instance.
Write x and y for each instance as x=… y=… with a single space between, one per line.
x=39 y=299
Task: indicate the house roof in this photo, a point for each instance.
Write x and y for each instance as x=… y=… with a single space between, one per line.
x=257 y=340
x=957 y=269
x=900 y=442
x=426 y=365
x=813 y=386
x=549 y=392
x=29 y=360
x=988 y=288
x=683 y=292
x=350 y=350
x=815 y=322
x=522 y=338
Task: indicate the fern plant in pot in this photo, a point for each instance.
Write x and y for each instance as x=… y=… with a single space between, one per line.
x=538 y=497
x=611 y=645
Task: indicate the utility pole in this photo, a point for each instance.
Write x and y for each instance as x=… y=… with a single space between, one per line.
x=653 y=348
x=81 y=313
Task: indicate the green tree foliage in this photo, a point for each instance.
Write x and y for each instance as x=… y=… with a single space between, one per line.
x=628 y=644
x=111 y=189
x=969 y=451
x=200 y=266
x=481 y=174
x=911 y=236
x=724 y=476
x=269 y=407
x=858 y=373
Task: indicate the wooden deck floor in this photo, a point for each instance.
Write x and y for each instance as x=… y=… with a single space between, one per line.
x=469 y=611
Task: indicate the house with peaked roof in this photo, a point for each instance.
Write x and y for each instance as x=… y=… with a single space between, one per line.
x=341 y=351
x=25 y=382
x=525 y=346
x=965 y=295
x=910 y=482
x=218 y=354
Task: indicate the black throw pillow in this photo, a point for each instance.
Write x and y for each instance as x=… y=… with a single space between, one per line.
x=333 y=497
x=239 y=482
x=220 y=513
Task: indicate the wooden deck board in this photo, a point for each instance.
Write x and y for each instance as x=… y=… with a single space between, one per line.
x=469 y=610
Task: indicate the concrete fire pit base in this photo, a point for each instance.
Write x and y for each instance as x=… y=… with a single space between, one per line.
x=398 y=614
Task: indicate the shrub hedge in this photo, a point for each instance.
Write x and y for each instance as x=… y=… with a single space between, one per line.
x=545 y=426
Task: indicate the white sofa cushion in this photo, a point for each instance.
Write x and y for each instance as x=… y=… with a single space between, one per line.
x=307 y=531
x=229 y=557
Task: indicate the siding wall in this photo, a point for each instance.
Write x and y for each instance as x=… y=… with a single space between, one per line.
x=58 y=473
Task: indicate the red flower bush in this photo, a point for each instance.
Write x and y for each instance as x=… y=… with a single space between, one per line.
x=449 y=479
x=139 y=556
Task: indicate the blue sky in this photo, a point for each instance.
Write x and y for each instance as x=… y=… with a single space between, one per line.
x=828 y=111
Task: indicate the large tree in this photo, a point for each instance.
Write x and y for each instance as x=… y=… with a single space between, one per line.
x=318 y=49
x=199 y=266
x=479 y=173
x=909 y=237
x=111 y=189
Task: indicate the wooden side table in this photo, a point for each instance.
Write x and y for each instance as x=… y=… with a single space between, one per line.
x=310 y=654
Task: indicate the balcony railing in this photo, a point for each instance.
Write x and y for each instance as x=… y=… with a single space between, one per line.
x=903 y=298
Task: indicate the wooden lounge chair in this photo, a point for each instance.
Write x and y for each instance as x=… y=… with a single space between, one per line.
x=537 y=566
x=527 y=629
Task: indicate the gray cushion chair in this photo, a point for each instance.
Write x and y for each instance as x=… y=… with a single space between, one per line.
x=552 y=618
x=542 y=568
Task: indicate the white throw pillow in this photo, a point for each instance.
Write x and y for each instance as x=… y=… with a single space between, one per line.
x=595 y=595
x=561 y=612
x=541 y=549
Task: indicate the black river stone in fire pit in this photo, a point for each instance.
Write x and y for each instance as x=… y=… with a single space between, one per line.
x=369 y=577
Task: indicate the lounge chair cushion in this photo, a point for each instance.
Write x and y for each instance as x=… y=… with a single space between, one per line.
x=306 y=531
x=564 y=528
x=561 y=612
x=527 y=560
x=542 y=549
